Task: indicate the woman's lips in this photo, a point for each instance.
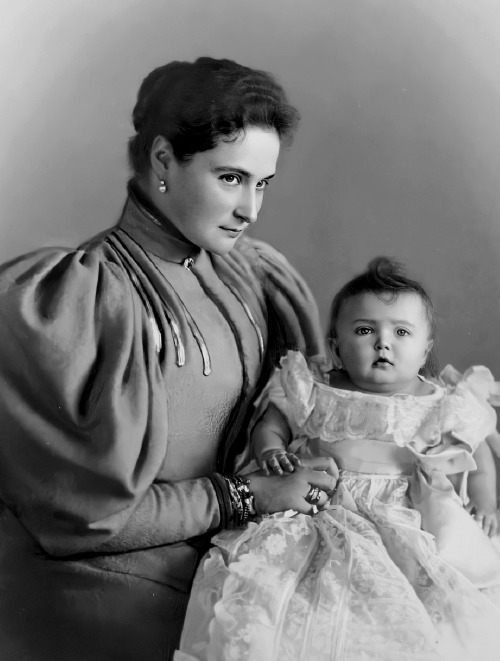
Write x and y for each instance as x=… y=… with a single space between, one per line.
x=232 y=232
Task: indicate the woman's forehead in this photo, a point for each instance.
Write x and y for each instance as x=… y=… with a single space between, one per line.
x=255 y=150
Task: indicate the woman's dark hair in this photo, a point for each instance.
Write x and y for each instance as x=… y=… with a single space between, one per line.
x=386 y=277
x=194 y=105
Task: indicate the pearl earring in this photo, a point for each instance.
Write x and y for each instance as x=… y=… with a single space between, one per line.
x=162 y=187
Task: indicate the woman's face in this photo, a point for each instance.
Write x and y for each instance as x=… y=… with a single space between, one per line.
x=214 y=197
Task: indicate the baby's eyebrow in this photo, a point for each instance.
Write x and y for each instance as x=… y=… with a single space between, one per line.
x=395 y=322
x=402 y=322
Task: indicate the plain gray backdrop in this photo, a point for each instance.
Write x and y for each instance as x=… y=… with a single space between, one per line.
x=398 y=152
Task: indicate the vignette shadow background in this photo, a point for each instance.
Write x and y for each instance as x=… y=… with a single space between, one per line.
x=398 y=152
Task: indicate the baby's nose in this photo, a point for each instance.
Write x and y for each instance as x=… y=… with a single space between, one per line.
x=382 y=342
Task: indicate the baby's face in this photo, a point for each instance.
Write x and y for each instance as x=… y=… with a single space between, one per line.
x=383 y=342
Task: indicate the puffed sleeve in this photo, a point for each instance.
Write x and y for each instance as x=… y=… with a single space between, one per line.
x=83 y=412
x=290 y=297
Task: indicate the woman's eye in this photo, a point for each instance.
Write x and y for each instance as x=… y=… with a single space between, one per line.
x=363 y=330
x=402 y=332
x=232 y=179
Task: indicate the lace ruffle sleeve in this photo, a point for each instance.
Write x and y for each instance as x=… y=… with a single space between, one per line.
x=292 y=390
x=467 y=413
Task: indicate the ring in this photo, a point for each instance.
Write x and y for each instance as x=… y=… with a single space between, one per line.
x=314 y=510
x=313 y=496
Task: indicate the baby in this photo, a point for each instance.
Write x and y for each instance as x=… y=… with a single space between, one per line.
x=382 y=343
x=392 y=566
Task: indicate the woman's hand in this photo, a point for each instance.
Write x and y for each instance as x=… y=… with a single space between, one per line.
x=290 y=490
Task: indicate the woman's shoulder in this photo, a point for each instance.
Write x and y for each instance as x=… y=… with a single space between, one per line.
x=255 y=250
x=269 y=263
x=57 y=292
x=53 y=268
x=285 y=292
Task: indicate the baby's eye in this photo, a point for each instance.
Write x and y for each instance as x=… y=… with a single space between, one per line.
x=402 y=332
x=363 y=330
x=232 y=179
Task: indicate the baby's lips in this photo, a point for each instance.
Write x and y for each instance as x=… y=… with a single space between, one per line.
x=383 y=361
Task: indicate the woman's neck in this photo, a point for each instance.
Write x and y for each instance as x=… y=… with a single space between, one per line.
x=153 y=230
x=139 y=191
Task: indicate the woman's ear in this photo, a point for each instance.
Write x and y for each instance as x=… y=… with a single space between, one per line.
x=161 y=156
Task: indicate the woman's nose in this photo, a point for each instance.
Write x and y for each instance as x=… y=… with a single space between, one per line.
x=249 y=206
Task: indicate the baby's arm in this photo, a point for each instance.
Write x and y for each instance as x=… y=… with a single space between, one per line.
x=481 y=489
x=270 y=438
x=493 y=441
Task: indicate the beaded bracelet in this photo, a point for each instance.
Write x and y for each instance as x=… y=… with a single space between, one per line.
x=242 y=499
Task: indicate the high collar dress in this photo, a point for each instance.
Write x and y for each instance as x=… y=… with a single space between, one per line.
x=127 y=369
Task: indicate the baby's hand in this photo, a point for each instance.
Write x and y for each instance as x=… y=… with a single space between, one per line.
x=278 y=461
x=486 y=519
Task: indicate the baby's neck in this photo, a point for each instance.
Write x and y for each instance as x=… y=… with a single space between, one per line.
x=417 y=387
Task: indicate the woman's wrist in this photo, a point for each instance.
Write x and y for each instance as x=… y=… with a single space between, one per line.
x=225 y=506
x=241 y=498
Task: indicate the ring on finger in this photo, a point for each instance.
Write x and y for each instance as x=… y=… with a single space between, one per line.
x=314 y=510
x=315 y=498
x=313 y=495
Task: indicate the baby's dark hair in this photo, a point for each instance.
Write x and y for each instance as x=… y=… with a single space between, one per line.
x=194 y=105
x=386 y=277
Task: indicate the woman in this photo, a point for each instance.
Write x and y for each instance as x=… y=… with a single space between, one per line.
x=128 y=368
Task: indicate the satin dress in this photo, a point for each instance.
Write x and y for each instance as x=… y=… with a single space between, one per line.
x=126 y=370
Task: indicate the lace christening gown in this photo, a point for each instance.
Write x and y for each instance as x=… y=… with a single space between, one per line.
x=361 y=580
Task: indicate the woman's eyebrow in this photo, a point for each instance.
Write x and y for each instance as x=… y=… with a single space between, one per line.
x=236 y=170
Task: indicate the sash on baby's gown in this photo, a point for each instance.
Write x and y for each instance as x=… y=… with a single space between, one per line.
x=459 y=539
